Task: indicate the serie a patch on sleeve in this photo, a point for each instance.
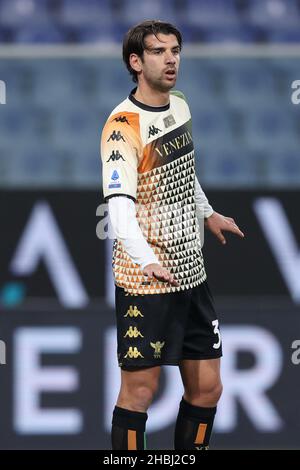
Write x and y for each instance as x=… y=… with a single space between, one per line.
x=115 y=179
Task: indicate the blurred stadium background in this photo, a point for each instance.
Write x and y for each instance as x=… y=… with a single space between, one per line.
x=61 y=63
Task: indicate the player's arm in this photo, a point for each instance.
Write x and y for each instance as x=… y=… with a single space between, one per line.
x=215 y=222
x=122 y=214
x=120 y=147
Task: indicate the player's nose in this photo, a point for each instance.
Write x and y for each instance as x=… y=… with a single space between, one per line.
x=170 y=59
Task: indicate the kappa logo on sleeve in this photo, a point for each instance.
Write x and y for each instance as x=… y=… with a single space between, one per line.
x=115 y=181
x=116 y=136
x=115 y=155
x=121 y=119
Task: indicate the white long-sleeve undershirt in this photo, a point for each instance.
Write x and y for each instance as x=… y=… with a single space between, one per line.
x=122 y=214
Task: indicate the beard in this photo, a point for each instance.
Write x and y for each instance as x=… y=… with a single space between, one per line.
x=160 y=84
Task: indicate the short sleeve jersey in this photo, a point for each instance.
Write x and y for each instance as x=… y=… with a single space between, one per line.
x=148 y=155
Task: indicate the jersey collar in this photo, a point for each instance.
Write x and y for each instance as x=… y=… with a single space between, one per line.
x=146 y=107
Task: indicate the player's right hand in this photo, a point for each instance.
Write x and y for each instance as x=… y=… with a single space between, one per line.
x=160 y=273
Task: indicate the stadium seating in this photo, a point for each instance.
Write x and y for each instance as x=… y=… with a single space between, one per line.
x=246 y=129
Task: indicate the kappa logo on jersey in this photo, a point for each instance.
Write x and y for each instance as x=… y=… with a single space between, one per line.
x=115 y=156
x=121 y=119
x=133 y=353
x=116 y=136
x=153 y=131
x=133 y=332
x=157 y=348
x=169 y=121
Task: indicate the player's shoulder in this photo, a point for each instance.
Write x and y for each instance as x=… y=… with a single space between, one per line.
x=178 y=94
x=123 y=118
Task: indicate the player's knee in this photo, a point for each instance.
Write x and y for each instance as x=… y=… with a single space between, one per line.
x=138 y=396
x=207 y=393
x=142 y=396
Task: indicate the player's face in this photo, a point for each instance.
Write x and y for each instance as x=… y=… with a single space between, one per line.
x=160 y=62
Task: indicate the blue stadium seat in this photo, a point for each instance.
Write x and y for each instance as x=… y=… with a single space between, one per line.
x=283 y=35
x=87 y=168
x=51 y=83
x=93 y=34
x=284 y=166
x=227 y=166
x=41 y=34
x=270 y=127
x=18 y=77
x=210 y=124
x=77 y=127
x=212 y=12
x=248 y=84
x=29 y=124
x=231 y=35
x=134 y=11
x=196 y=79
x=273 y=13
x=19 y=12
x=86 y=13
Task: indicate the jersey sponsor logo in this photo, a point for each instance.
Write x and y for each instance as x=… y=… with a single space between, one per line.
x=115 y=180
x=133 y=353
x=157 y=348
x=133 y=312
x=175 y=144
x=121 y=119
x=116 y=136
x=133 y=332
x=169 y=121
x=115 y=156
x=153 y=131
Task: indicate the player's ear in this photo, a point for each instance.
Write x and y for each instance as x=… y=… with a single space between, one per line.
x=135 y=62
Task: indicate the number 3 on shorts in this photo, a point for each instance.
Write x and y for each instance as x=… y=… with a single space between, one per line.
x=215 y=324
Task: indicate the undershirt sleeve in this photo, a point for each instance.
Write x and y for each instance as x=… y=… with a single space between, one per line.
x=122 y=214
x=203 y=208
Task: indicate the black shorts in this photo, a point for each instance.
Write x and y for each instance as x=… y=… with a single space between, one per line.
x=163 y=329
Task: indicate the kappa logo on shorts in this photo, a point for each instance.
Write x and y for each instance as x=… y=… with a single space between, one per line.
x=133 y=312
x=133 y=332
x=133 y=353
x=157 y=348
x=202 y=448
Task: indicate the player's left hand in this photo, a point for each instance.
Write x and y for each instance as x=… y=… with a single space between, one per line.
x=217 y=223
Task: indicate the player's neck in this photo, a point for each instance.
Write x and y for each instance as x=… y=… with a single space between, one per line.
x=150 y=97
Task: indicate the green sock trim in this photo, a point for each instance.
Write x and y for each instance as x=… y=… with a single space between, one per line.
x=145 y=443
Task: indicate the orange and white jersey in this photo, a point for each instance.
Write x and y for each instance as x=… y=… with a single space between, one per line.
x=148 y=155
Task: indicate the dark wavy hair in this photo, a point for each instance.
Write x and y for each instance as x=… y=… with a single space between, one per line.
x=134 y=40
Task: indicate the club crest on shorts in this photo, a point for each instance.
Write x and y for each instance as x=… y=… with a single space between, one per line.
x=133 y=312
x=157 y=348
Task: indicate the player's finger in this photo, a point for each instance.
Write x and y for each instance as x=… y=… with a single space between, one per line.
x=237 y=231
x=221 y=237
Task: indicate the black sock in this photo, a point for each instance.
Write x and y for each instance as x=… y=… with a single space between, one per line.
x=193 y=427
x=128 y=429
